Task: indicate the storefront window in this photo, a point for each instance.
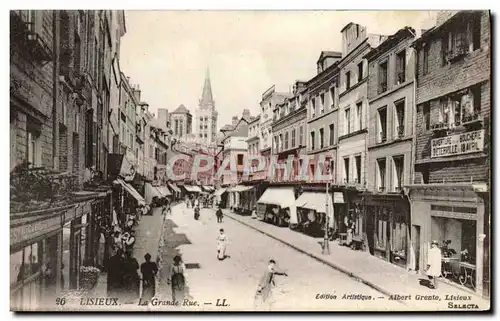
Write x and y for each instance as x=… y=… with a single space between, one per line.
x=83 y=241
x=24 y=279
x=399 y=237
x=65 y=257
x=381 y=227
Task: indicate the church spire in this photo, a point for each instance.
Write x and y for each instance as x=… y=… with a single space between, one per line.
x=207 y=99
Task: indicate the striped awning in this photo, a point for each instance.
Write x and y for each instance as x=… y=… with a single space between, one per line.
x=174 y=187
x=192 y=188
x=135 y=194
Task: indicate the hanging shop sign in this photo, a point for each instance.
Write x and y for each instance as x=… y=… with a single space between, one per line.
x=466 y=143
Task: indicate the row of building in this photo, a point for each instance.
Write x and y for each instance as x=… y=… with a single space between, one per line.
x=401 y=126
x=85 y=150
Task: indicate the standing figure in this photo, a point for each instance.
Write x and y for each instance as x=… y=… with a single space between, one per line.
x=177 y=279
x=221 y=245
x=219 y=215
x=434 y=264
x=254 y=212
x=349 y=223
x=131 y=278
x=115 y=275
x=264 y=297
x=148 y=270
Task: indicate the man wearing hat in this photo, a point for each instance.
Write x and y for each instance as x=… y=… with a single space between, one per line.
x=434 y=263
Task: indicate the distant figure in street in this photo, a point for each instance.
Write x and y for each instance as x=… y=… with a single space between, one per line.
x=148 y=270
x=115 y=275
x=197 y=202
x=188 y=201
x=221 y=245
x=434 y=264
x=263 y=297
x=130 y=278
x=219 y=215
x=254 y=212
x=177 y=279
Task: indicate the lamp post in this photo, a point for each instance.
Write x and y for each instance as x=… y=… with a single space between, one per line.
x=326 y=243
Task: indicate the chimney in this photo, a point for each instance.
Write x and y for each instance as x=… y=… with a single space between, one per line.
x=137 y=94
x=235 y=120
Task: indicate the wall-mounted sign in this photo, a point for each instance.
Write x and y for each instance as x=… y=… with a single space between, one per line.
x=466 y=143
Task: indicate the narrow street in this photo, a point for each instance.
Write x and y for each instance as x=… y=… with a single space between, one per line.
x=236 y=278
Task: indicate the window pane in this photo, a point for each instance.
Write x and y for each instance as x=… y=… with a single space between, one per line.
x=16 y=261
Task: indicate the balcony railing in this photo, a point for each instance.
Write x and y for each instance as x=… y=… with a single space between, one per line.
x=401 y=77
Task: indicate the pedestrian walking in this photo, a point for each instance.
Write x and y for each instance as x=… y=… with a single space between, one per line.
x=169 y=209
x=115 y=275
x=148 y=270
x=219 y=215
x=434 y=264
x=129 y=240
x=130 y=278
x=221 y=245
x=177 y=279
x=264 y=295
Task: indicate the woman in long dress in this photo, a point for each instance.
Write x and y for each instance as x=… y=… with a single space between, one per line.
x=434 y=264
x=221 y=245
x=177 y=279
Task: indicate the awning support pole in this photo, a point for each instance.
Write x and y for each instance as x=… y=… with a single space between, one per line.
x=326 y=243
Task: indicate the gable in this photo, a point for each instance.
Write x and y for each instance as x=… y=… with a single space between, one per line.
x=241 y=129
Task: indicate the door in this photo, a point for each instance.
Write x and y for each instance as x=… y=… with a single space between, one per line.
x=415 y=240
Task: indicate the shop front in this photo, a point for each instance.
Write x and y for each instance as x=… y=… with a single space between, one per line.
x=35 y=260
x=277 y=206
x=387 y=218
x=222 y=197
x=457 y=216
x=175 y=191
x=314 y=212
x=242 y=198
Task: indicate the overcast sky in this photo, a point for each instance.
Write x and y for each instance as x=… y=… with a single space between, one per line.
x=167 y=52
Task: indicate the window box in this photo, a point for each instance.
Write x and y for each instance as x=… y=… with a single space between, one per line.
x=400 y=131
x=472 y=119
x=38 y=48
x=440 y=126
x=459 y=52
x=383 y=137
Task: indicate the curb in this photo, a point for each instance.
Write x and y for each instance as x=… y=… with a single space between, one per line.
x=320 y=259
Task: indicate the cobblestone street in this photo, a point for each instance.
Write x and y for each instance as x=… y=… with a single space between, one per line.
x=236 y=278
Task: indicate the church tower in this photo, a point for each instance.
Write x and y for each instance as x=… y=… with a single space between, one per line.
x=206 y=115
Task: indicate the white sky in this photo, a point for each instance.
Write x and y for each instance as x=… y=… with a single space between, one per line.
x=167 y=52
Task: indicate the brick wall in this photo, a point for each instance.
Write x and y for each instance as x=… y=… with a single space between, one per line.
x=471 y=69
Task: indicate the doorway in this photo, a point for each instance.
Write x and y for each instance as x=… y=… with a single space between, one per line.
x=415 y=232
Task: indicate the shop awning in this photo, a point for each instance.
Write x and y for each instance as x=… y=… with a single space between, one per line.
x=207 y=188
x=240 y=188
x=314 y=201
x=164 y=190
x=135 y=194
x=174 y=188
x=283 y=196
x=150 y=191
x=192 y=188
x=220 y=191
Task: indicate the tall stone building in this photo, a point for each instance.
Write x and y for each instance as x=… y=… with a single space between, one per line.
x=206 y=115
x=181 y=121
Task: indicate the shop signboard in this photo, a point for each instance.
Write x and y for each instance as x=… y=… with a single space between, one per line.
x=35 y=228
x=465 y=143
x=338 y=198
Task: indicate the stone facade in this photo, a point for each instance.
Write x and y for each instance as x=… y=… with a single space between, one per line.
x=391 y=112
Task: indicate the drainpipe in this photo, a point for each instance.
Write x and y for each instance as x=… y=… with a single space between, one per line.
x=55 y=88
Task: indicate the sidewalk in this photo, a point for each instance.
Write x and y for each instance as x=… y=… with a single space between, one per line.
x=374 y=272
x=147 y=240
